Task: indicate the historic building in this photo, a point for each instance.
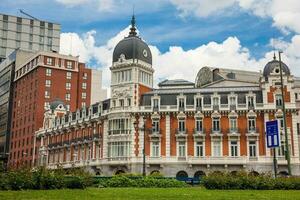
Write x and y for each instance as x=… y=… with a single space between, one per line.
x=187 y=129
x=35 y=80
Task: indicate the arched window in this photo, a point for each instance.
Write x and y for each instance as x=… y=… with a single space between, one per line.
x=181 y=175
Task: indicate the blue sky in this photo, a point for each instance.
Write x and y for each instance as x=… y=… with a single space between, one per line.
x=205 y=25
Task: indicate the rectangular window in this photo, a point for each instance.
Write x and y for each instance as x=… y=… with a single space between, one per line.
x=199 y=125
x=68 y=86
x=216 y=124
x=199 y=149
x=215 y=101
x=296 y=96
x=83 y=95
x=232 y=101
x=49 y=61
x=121 y=102
x=155 y=126
x=47 y=94
x=251 y=124
x=181 y=102
x=48 y=83
x=48 y=72
x=181 y=125
x=83 y=104
x=216 y=148
x=155 y=103
x=155 y=149
x=233 y=124
x=278 y=100
x=298 y=128
x=69 y=65
x=181 y=149
x=69 y=75
x=84 y=75
x=128 y=102
x=250 y=101
x=83 y=85
x=68 y=97
x=252 y=148
x=198 y=102
x=233 y=148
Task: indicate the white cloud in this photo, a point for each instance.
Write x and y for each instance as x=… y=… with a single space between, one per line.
x=177 y=62
x=285 y=14
x=85 y=47
x=102 y=5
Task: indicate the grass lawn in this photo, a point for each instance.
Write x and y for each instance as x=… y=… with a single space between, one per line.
x=150 y=193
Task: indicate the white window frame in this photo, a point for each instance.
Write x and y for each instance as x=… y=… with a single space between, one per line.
x=47 y=94
x=199 y=146
x=69 y=75
x=69 y=65
x=68 y=96
x=181 y=147
x=213 y=148
x=83 y=95
x=48 y=83
x=84 y=85
x=48 y=72
x=49 y=61
x=236 y=146
x=155 y=149
x=68 y=86
x=255 y=148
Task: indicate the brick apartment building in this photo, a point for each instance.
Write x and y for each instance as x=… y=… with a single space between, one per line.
x=41 y=78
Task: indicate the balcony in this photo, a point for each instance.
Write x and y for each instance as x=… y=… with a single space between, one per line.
x=233 y=130
x=199 y=132
x=215 y=131
x=154 y=133
x=119 y=132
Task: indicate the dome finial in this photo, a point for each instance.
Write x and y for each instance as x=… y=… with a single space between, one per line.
x=132 y=28
x=274 y=56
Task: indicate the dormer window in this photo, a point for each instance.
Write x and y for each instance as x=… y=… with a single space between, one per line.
x=215 y=101
x=155 y=103
x=278 y=98
x=232 y=101
x=181 y=103
x=251 y=102
x=198 y=102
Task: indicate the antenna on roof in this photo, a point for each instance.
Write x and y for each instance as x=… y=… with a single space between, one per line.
x=28 y=15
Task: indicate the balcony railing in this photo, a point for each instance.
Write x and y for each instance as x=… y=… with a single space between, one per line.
x=199 y=131
x=252 y=130
x=180 y=132
x=119 y=132
x=215 y=131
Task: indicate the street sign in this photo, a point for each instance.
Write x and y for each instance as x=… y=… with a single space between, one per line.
x=272 y=132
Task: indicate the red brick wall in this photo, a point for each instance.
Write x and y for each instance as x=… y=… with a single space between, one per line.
x=30 y=101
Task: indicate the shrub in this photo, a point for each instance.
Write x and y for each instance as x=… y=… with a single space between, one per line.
x=246 y=181
x=19 y=180
x=142 y=182
x=75 y=182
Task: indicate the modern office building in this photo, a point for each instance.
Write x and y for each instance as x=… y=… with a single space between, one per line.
x=40 y=78
x=7 y=70
x=28 y=34
x=216 y=123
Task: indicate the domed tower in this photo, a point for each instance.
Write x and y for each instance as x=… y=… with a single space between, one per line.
x=131 y=70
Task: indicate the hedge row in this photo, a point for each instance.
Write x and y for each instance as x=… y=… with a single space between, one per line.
x=227 y=181
x=43 y=179
x=141 y=182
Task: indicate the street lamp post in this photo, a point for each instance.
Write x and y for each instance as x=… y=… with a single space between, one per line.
x=287 y=151
x=136 y=125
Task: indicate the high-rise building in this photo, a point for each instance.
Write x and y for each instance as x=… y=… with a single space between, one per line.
x=41 y=78
x=7 y=70
x=28 y=34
